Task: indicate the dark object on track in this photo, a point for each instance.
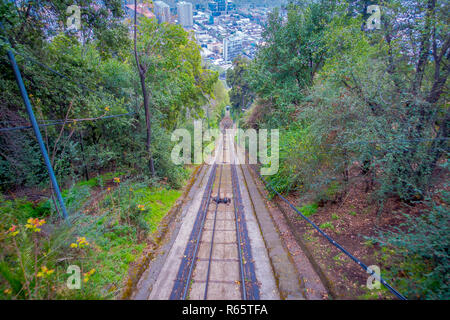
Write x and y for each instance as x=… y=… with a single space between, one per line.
x=222 y=200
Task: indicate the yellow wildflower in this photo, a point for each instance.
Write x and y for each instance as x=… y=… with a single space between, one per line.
x=34 y=224
x=45 y=272
x=13 y=231
x=8 y=291
x=82 y=242
x=117 y=180
x=73 y=245
x=106 y=108
x=88 y=274
x=141 y=207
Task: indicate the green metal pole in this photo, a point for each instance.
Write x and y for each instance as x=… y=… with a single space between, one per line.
x=34 y=123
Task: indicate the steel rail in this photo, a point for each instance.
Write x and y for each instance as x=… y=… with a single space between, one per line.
x=239 y=249
x=237 y=201
x=214 y=228
x=199 y=236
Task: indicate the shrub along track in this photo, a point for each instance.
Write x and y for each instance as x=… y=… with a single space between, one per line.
x=157 y=240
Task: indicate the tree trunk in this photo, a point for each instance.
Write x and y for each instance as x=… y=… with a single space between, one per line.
x=142 y=73
x=86 y=172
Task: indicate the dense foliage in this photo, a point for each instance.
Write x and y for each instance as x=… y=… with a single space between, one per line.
x=85 y=89
x=103 y=82
x=424 y=260
x=104 y=238
x=237 y=78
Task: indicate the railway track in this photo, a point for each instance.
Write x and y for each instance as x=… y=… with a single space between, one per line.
x=217 y=262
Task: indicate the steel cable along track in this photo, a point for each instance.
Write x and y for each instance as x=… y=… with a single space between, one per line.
x=331 y=240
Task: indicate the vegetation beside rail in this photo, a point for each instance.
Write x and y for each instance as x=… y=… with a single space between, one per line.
x=101 y=133
x=362 y=114
x=115 y=222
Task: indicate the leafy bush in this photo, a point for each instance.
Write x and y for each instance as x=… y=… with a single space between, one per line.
x=33 y=264
x=422 y=264
x=327 y=225
x=329 y=192
x=309 y=209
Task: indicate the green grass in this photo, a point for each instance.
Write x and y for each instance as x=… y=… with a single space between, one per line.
x=334 y=216
x=21 y=209
x=113 y=261
x=352 y=213
x=119 y=247
x=113 y=239
x=374 y=294
x=369 y=243
x=327 y=225
x=157 y=202
x=308 y=209
x=97 y=181
x=338 y=257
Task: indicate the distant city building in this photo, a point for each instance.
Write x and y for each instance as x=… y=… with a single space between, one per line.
x=225 y=32
x=217 y=7
x=162 y=11
x=200 y=7
x=212 y=6
x=222 y=5
x=232 y=47
x=215 y=47
x=185 y=14
x=231 y=6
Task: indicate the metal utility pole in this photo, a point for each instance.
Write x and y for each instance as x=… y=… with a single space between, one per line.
x=34 y=123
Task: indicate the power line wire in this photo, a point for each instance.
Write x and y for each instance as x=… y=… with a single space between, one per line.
x=45 y=66
x=67 y=121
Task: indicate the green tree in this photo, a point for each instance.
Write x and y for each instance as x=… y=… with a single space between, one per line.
x=102 y=81
x=237 y=78
x=294 y=52
x=171 y=75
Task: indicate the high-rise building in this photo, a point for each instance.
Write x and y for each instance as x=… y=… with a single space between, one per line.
x=232 y=47
x=222 y=5
x=231 y=6
x=185 y=14
x=218 y=7
x=162 y=11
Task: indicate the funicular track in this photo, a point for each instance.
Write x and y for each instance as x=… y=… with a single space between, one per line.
x=217 y=261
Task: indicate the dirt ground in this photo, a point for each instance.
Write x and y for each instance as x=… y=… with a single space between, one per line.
x=353 y=218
